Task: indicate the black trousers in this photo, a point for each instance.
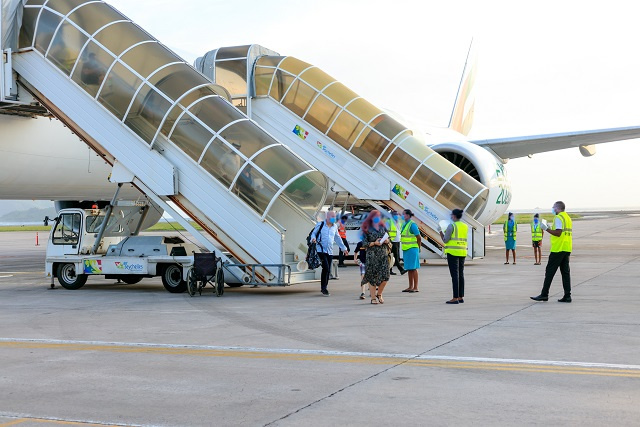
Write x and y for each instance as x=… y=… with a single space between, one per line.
x=341 y=254
x=395 y=250
x=325 y=259
x=561 y=260
x=456 y=268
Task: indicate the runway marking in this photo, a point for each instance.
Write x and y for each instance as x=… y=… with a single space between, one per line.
x=22 y=418
x=447 y=362
x=4 y=277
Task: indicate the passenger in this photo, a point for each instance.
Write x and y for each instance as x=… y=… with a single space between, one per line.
x=560 y=252
x=230 y=164
x=536 y=238
x=455 y=246
x=510 y=229
x=92 y=72
x=342 y=232
x=376 y=240
x=323 y=235
x=246 y=187
x=411 y=241
x=395 y=224
x=360 y=257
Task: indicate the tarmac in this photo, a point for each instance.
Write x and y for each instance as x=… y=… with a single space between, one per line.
x=112 y=354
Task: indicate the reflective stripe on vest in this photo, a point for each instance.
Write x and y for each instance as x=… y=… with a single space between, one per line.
x=408 y=240
x=536 y=232
x=505 y=228
x=564 y=243
x=457 y=245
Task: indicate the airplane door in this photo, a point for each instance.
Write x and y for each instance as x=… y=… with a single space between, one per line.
x=66 y=235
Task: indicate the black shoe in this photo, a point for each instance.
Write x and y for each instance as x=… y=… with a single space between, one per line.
x=402 y=272
x=540 y=298
x=453 y=301
x=565 y=299
x=461 y=301
x=325 y=293
x=392 y=273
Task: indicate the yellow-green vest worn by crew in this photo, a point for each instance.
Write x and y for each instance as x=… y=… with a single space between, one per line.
x=505 y=228
x=564 y=243
x=457 y=245
x=393 y=231
x=408 y=240
x=536 y=232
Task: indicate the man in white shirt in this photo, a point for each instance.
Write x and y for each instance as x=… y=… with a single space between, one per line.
x=323 y=235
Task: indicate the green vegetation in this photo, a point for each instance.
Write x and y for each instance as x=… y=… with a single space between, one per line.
x=24 y=228
x=171 y=226
x=526 y=218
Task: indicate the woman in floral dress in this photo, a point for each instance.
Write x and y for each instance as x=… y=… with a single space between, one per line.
x=377 y=271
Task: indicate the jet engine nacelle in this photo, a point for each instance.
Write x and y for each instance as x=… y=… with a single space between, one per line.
x=486 y=168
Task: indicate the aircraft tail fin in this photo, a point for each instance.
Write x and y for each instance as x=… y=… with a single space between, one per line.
x=463 y=109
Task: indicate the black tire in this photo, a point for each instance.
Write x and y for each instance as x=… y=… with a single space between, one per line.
x=68 y=278
x=172 y=279
x=219 y=282
x=131 y=280
x=192 y=283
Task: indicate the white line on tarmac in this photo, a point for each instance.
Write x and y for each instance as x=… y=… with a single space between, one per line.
x=4 y=277
x=28 y=417
x=333 y=353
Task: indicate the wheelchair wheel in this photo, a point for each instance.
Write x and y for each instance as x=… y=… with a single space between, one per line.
x=219 y=284
x=192 y=283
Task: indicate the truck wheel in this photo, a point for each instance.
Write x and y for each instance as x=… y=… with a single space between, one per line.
x=172 y=279
x=131 y=280
x=68 y=278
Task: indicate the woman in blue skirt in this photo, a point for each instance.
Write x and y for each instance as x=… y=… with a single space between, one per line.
x=510 y=229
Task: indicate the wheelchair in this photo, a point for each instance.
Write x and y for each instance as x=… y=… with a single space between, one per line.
x=207 y=270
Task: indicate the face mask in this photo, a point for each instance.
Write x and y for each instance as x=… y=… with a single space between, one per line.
x=342 y=221
x=332 y=220
x=553 y=211
x=396 y=217
x=535 y=221
x=376 y=220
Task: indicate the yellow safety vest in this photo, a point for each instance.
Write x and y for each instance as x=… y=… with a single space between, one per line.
x=564 y=243
x=457 y=245
x=536 y=232
x=505 y=228
x=409 y=241
x=393 y=231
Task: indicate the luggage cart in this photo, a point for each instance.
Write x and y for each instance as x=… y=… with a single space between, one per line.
x=207 y=269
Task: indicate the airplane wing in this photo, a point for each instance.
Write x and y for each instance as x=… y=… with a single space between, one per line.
x=511 y=148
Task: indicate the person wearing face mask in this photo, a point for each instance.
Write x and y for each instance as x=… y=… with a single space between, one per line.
x=323 y=235
x=536 y=238
x=376 y=239
x=510 y=229
x=342 y=232
x=411 y=243
x=455 y=246
x=395 y=224
x=560 y=252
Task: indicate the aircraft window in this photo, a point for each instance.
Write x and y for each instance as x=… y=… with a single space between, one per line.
x=232 y=75
x=66 y=47
x=322 y=113
x=345 y=129
x=363 y=109
x=147 y=111
x=47 y=25
x=428 y=181
x=255 y=189
x=441 y=165
x=247 y=137
x=467 y=183
x=340 y=94
x=91 y=68
x=215 y=113
x=369 y=146
x=222 y=162
x=118 y=90
x=404 y=164
x=293 y=65
x=175 y=80
x=64 y=6
x=93 y=16
x=299 y=97
x=29 y=19
x=452 y=196
x=191 y=137
x=478 y=203
x=306 y=191
x=232 y=52
x=121 y=36
x=317 y=78
x=148 y=57
x=67 y=231
x=279 y=164
x=281 y=83
x=262 y=78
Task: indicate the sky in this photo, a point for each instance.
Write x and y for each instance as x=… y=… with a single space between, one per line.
x=544 y=67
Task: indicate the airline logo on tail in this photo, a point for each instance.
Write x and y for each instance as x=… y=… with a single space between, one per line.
x=463 y=110
x=300 y=132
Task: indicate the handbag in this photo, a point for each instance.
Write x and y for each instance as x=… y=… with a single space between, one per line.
x=313 y=259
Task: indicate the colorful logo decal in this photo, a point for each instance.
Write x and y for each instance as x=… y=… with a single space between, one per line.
x=129 y=267
x=300 y=132
x=92 y=266
x=326 y=150
x=426 y=210
x=400 y=192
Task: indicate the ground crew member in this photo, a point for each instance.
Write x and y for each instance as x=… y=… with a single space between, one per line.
x=561 y=247
x=455 y=246
x=342 y=232
x=411 y=241
x=510 y=229
x=536 y=238
x=395 y=224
